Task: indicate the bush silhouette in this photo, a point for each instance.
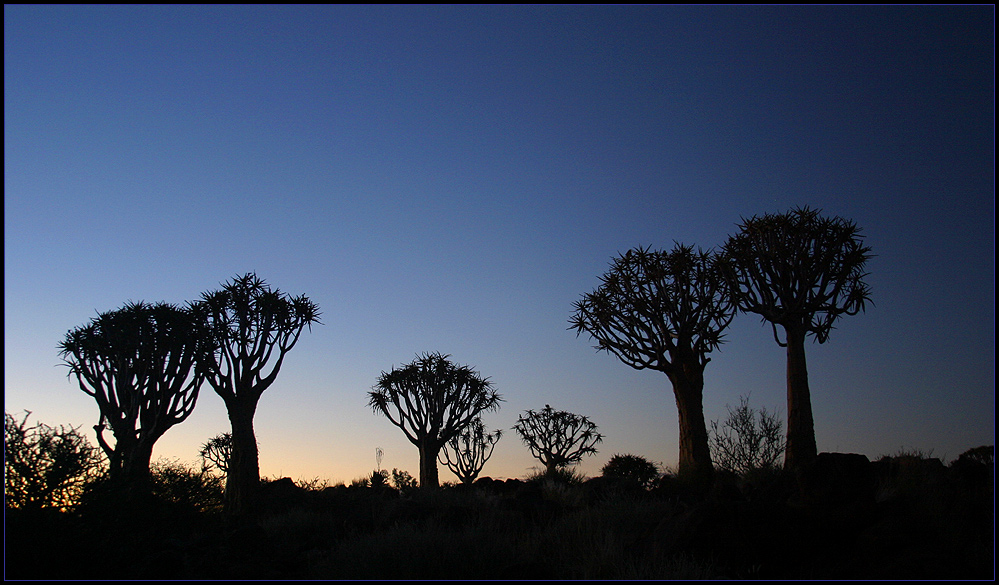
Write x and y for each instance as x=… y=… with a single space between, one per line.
x=46 y=467
x=748 y=440
x=632 y=469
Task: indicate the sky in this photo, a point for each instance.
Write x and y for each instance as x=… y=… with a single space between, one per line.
x=453 y=178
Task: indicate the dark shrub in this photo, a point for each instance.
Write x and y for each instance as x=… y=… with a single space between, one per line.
x=632 y=469
x=46 y=467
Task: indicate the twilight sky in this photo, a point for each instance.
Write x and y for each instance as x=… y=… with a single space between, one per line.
x=453 y=178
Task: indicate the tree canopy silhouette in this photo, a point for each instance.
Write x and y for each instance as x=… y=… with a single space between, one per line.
x=467 y=452
x=432 y=400
x=800 y=271
x=141 y=365
x=557 y=438
x=664 y=311
x=250 y=324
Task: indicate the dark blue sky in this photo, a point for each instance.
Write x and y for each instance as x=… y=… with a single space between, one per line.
x=453 y=178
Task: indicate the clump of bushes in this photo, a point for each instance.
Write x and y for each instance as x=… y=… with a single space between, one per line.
x=44 y=466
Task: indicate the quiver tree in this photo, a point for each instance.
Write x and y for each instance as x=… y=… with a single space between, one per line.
x=432 y=400
x=467 y=452
x=253 y=328
x=799 y=271
x=557 y=438
x=141 y=364
x=216 y=452
x=664 y=311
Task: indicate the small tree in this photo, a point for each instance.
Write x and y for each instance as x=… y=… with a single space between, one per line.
x=799 y=271
x=664 y=311
x=432 y=400
x=748 y=440
x=557 y=438
x=217 y=452
x=250 y=323
x=141 y=365
x=633 y=469
x=45 y=467
x=467 y=452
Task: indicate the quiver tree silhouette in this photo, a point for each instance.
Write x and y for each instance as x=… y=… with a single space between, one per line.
x=217 y=452
x=800 y=271
x=142 y=364
x=250 y=323
x=467 y=452
x=664 y=311
x=432 y=400
x=557 y=438
x=43 y=466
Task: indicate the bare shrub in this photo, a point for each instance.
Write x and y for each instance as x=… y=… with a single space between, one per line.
x=748 y=440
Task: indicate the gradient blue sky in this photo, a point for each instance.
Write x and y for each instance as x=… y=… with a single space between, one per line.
x=453 y=178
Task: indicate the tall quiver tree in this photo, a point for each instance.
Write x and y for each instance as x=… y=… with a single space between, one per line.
x=141 y=363
x=800 y=271
x=432 y=400
x=250 y=324
x=664 y=311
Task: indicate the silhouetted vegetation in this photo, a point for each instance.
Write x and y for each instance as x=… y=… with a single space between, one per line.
x=467 y=452
x=748 y=441
x=249 y=323
x=664 y=311
x=432 y=400
x=216 y=452
x=403 y=481
x=46 y=467
x=142 y=364
x=557 y=438
x=800 y=271
x=820 y=516
x=632 y=469
x=904 y=516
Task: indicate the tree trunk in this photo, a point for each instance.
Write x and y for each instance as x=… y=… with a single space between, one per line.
x=243 y=476
x=135 y=473
x=429 y=477
x=801 y=448
x=695 y=455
